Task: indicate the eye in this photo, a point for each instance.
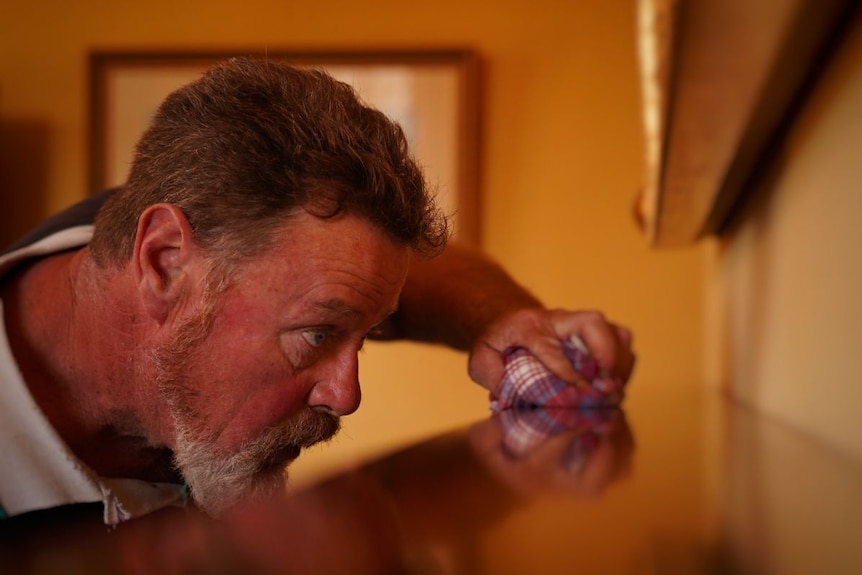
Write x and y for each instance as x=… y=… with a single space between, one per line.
x=314 y=337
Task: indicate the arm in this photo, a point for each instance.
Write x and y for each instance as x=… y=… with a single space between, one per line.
x=465 y=300
x=452 y=298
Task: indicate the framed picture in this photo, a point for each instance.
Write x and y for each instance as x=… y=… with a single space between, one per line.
x=433 y=95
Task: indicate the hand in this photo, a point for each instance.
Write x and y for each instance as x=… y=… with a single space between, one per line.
x=536 y=452
x=541 y=332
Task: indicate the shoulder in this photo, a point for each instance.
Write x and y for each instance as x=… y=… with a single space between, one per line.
x=81 y=214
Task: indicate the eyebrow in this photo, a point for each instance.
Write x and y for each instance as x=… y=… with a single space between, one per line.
x=342 y=308
x=338 y=307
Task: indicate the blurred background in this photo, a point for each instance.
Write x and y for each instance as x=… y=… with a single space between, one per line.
x=761 y=313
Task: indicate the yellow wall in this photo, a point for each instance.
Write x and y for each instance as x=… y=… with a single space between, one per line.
x=561 y=160
x=784 y=291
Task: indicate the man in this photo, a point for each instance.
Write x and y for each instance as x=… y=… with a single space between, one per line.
x=206 y=328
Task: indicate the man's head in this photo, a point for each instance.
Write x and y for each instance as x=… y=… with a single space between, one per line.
x=251 y=141
x=267 y=222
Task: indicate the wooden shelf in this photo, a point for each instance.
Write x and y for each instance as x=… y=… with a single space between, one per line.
x=721 y=79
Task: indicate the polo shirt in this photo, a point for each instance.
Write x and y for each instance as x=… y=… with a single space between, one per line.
x=39 y=470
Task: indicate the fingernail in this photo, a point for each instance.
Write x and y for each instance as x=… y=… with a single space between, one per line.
x=607 y=384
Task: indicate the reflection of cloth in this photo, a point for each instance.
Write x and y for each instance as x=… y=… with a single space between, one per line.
x=528 y=383
x=526 y=429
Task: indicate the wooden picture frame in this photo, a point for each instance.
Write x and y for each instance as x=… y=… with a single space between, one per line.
x=433 y=94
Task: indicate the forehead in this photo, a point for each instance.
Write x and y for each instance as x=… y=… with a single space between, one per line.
x=335 y=236
x=345 y=257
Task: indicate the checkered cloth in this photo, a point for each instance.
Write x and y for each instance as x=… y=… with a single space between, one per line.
x=528 y=383
x=526 y=429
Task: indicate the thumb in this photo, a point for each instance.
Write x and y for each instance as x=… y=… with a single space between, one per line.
x=486 y=367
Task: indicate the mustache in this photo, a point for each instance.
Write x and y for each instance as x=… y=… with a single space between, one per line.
x=282 y=442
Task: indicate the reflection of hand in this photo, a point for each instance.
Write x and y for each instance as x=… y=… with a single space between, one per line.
x=542 y=333
x=578 y=451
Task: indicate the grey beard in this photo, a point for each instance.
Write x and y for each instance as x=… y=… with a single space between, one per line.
x=218 y=481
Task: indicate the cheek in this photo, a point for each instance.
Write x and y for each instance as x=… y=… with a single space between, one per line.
x=246 y=380
x=292 y=348
x=269 y=404
x=229 y=373
x=250 y=386
x=241 y=344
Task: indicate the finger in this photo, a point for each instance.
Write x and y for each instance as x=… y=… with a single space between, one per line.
x=626 y=358
x=559 y=325
x=485 y=367
x=486 y=436
x=549 y=351
x=603 y=344
x=609 y=344
x=599 y=470
x=624 y=335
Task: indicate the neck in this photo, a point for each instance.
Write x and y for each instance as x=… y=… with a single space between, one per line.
x=76 y=341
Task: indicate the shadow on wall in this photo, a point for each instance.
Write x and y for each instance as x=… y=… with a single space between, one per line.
x=23 y=177
x=747 y=248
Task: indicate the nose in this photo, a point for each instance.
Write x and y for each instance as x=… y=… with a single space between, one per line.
x=337 y=389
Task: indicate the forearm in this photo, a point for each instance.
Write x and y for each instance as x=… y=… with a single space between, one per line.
x=453 y=298
x=465 y=300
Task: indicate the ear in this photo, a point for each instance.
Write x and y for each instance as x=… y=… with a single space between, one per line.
x=166 y=259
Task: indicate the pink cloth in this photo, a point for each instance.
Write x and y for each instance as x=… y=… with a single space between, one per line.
x=528 y=383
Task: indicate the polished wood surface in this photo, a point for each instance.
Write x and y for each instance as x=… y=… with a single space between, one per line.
x=677 y=482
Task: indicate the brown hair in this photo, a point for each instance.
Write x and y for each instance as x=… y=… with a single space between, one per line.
x=251 y=141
